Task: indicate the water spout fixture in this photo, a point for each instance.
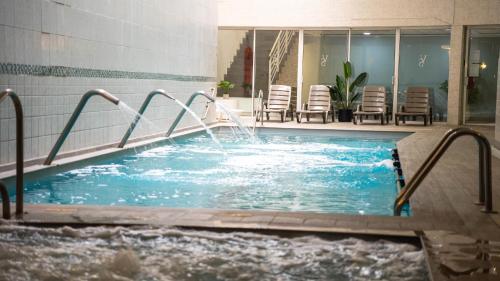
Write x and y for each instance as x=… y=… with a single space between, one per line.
x=74 y=117
x=5 y=201
x=183 y=111
x=140 y=112
x=207 y=106
x=19 y=148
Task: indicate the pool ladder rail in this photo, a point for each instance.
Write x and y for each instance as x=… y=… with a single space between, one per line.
x=260 y=102
x=19 y=151
x=485 y=183
x=76 y=113
x=207 y=105
x=5 y=201
x=183 y=111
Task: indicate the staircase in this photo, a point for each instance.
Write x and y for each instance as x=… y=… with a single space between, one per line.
x=285 y=73
x=235 y=71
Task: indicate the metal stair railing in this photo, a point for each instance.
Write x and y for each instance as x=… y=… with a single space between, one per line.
x=278 y=52
x=485 y=190
x=19 y=148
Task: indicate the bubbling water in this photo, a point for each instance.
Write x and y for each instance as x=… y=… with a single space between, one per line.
x=130 y=115
x=147 y=253
x=237 y=120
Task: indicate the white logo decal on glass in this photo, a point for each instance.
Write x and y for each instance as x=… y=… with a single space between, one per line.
x=421 y=60
x=324 y=59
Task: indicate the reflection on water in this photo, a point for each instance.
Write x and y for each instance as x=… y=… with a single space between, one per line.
x=98 y=253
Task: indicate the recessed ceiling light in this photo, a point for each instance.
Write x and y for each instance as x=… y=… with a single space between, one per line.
x=366 y=33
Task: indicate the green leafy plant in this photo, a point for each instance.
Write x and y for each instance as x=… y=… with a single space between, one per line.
x=343 y=92
x=247 y=87
x=444 y=86
x=225 y=86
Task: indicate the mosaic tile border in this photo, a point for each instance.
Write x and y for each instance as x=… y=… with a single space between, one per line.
x=65 y=71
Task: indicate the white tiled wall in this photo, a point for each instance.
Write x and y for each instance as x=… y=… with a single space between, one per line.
x=175 y=37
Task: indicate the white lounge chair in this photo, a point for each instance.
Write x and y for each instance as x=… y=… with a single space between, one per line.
x=278 y=101
x=416 y=104
x=318 y=103
x=372 y=104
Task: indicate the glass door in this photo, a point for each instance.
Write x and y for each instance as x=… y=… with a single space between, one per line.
x=372 y=51
x=235 y=60
x=481 y=77
x=323 y=56
x=423 y=62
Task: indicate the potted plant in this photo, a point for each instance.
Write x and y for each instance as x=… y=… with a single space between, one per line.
x=343 y=93
x=225 y=86
x=247 y=87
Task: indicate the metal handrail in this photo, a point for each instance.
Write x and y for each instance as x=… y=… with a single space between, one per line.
x=74 y=117
x=183 y=111
x=140 y=112
x=207 y=105
x=278 y=52
x=261 y=106
x=485 y=190
x=5 y=201
x=19 y=148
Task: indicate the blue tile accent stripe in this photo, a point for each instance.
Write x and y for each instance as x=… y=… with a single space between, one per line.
x=65 y=71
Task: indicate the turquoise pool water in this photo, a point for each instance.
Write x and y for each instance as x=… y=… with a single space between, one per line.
x=295 y=171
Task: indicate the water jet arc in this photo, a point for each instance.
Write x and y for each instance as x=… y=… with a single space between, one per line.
x=76 y=113
x=140 y=112
x=183 y=111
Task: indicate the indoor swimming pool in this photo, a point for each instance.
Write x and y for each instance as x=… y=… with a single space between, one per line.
x=292 y=170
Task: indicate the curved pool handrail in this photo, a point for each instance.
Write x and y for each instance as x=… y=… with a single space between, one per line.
x=140 y=112
x=207 y=105
x=74 y=117
x=485 y=190
x=183 y=111
x=19 y=147
x=259 y=111
x=5 y=201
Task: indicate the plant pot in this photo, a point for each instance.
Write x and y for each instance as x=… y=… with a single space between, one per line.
x=345 y=115
x=225 y=96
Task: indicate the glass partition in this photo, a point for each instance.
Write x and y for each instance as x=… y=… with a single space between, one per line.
x=324 y=53
x=276 y=59
x=235 y=60
x=423 y=62
x=481 y=79
x=372 y=51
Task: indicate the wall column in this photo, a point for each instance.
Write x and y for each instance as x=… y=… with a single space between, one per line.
x=497 y=117
x=455 y=80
